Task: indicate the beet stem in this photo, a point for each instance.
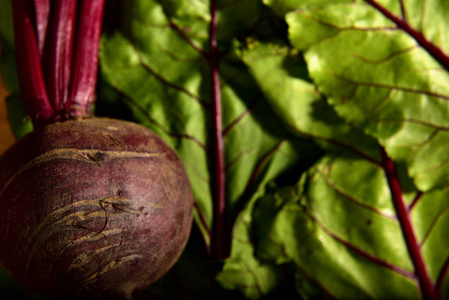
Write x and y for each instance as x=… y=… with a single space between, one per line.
x=84 y=72
x=42 y=12
x=427 y=289
x=31 y=79
x=58 y=57
x=432 y=49
x=57 y=76
x=220 y=247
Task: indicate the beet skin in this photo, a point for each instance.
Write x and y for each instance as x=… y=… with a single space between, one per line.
x=93 y=208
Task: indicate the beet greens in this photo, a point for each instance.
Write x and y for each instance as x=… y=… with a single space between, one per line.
x=314 y=134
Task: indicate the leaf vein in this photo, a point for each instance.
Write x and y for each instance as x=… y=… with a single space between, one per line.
x=359 y=203
x=387 y=58
x=363 y=253
x=167 y=82
x=387 y=86
x=147 y=115
x=246 y=112
x=433 y=225
x=181 y=32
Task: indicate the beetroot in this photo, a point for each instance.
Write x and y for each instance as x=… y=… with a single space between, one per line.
x=92 y=207
x=89 y=207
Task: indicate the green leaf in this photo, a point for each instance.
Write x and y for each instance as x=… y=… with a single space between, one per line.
x=339 y=229
x=282 y=75
x=285 y=6
x=243 y=271
x=380 y=79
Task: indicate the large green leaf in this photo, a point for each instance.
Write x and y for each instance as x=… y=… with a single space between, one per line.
x=380 y=78
x=283 y=78
x=330 y=234
x=339 y=228
x=244 y=272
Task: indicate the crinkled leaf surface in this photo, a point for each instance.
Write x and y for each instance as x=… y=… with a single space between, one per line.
x=380 y=78
x=339 y=229
x=283 y=77
x=303 y=227
x=243 y=271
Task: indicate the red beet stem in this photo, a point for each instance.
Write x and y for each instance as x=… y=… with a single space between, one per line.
x=427 y=288
x=220 y=243
x=85 y=63
x=435 y=51
x=42 y=11
x=45 y=32
x=58 y=55
x=31 y=79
